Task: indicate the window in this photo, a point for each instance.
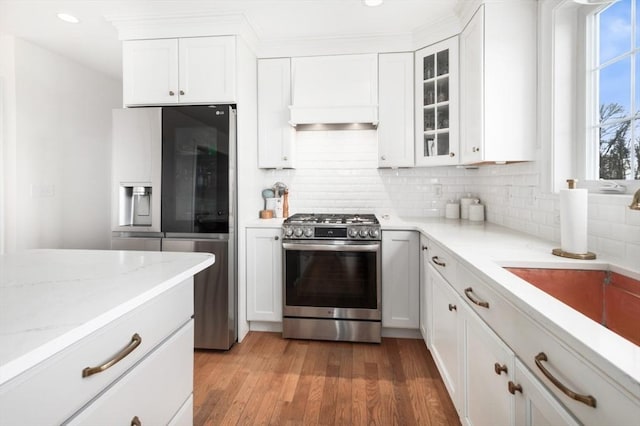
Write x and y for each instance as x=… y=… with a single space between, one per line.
x=616 y=76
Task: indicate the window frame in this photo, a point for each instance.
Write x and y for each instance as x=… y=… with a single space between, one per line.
x=566 y=96
x=593 y=68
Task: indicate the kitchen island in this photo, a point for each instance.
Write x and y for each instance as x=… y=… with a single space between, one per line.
x=65 y=314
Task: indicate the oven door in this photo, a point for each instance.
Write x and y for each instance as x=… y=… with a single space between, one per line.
x=332 y=279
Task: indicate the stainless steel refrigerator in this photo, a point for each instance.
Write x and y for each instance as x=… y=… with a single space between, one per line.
x=198 y=210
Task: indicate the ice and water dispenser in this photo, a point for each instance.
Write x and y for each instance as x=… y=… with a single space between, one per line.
x=135 y=205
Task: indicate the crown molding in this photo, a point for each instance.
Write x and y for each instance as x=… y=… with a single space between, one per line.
x=335 y=45
x=183 y=25
x=434 y=32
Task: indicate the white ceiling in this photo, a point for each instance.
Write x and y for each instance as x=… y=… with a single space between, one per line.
x=94 y=41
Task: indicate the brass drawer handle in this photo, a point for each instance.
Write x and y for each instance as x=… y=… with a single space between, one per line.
x=468 y=291
x=585 y=399
x=135 y=421
x=513 y=388
x=437 y=261
x=500 y=368
x=135 y=342
x=452 y=307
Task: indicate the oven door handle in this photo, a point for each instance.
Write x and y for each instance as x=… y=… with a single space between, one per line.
x=373 y=247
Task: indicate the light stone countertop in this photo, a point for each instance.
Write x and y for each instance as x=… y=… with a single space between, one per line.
x=486 y=248
x=50 y=299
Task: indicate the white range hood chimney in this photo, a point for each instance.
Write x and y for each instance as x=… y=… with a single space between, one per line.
x=341 y=89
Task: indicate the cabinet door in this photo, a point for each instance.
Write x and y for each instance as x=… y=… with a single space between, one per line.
x=425 y=290
x=154 y=390
x=150 y=72
x=446 y=334
x=395 y=110
x=264 y=274
x=207 y=70
x=400 y=279
x=471 y=87
x=275 y=134
x=436 y=75
x=489 y=367
x=534 y=404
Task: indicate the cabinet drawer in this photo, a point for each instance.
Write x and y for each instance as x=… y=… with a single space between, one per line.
x=57 y=383
x=184 y=416
x=442 y=261
x=527 y=339
x=154 y=391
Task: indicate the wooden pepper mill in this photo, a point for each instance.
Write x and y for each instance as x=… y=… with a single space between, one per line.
x=285 y=204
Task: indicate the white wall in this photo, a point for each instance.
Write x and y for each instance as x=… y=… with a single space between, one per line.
x=58 y=196
x=336 y=172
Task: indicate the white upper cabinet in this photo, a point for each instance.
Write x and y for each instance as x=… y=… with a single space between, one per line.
x=395 y=91
x=334 y=89
x=498 y=73
x=275 y=135
x=436 y=94
x=179 y=71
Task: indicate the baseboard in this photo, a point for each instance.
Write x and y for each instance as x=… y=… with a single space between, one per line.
x=275 y=327
x=401 y=333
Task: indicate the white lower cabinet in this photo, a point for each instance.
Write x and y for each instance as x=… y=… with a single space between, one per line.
x=424 y=289
x=400 y=279
x=486 y=381
x=534 y=404
x=264 y=274
x=153 y=392
x=446 y=333
x=489 y=368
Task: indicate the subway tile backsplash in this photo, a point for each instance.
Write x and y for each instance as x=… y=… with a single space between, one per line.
x=336 y=171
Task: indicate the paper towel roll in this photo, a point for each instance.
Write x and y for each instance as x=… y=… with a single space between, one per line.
x=573 y=220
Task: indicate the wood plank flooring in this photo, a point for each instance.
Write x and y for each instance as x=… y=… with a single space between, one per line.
x=268 y=380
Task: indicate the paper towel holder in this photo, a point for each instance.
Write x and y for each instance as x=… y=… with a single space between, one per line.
x=581 y=256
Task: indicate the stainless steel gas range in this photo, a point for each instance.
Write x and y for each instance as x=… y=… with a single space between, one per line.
x=332 y=277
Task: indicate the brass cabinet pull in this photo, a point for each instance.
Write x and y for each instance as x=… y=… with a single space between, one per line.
x=468 y=291
x=437 y=261
x=500 y=368
x=135 y=342
x=585 y=399
x=513 y=388
x=135 y=421
x=452 y=307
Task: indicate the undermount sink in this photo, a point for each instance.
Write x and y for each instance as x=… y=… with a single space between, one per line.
x=609 y=298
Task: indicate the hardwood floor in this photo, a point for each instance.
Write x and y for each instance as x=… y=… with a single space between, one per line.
x=270 y=380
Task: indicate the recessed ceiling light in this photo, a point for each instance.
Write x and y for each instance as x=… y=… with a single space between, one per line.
x=372 y=3
x=68 y=18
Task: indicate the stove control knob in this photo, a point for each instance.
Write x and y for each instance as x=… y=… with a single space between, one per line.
x=308 y=232
x=298 y=232
x=353 y=232
x=373 y=233
x=364 y=233
x=288 y=232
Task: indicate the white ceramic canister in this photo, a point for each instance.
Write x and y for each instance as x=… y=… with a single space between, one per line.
x=476 y=212
x=452 y=210
x=465 y=202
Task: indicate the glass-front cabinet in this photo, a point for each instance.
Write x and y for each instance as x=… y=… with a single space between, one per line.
x=436 y=97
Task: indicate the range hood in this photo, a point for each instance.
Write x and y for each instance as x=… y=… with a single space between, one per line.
x=341 y=89
x=332 y=114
